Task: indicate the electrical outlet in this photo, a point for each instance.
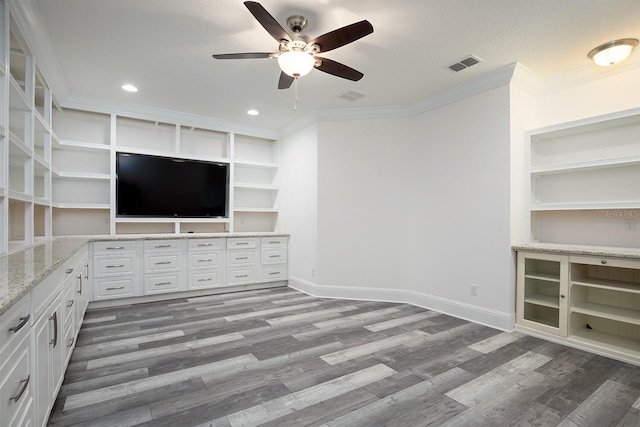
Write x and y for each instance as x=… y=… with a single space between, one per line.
x=473 y=289
x=630 y=224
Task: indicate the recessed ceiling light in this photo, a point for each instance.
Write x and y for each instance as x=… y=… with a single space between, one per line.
x=253 y=112
x=129 y=88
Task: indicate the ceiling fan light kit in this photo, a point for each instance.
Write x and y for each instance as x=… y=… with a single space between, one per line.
x=612 y=52
x=297 y=56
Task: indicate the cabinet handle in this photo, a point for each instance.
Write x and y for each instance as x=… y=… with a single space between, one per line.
x=162 y=246
x=115 y=266
x=241 y=243
x=274 y=243
x=562 y=296
x=242 y=257
x=25 y=384
x=274 y=273
x=162 y=283
x=115 y=289
x=604 y=261
x=54 y=317
x=23 y=321
x=70 y=303
x=80 y=288
x=205 y=280
x=71 y=341
x=69 y=270
x=205 y=244
x=86 y=271
x=274 y=256
x=163 y=262
x=205 y=260
x=242 y=275
x=115 y=247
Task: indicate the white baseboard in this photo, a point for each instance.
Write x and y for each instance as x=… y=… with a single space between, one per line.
x=483 y=316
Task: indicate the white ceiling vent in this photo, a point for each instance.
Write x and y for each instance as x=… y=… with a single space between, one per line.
x=352 y=95
x=465 y=63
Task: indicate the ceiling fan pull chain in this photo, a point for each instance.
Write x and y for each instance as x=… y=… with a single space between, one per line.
x=295 y=94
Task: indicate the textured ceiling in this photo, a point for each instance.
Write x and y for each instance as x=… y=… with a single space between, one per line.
x=165 y=47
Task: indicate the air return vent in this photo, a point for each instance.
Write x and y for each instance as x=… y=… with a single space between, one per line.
x=352 y=95
x=465 y=63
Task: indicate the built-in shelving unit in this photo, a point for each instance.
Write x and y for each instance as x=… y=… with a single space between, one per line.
x=58 y=165
x=585 y=182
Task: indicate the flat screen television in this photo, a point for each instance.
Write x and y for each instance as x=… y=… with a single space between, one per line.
x=157 y=187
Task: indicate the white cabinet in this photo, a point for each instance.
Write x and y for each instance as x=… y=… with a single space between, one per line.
x=116 y=269
x=591 y=302
x=242 y=260
x=206 y=263
x=163 y=266
x=273 y=258
x=585 y=182
x=16 y=386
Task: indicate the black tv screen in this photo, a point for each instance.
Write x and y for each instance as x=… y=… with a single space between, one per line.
x=156 y=186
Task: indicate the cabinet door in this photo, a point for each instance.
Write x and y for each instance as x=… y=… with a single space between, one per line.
x=542 y=286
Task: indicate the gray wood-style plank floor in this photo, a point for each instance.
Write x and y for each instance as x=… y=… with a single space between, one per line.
x=278 y=357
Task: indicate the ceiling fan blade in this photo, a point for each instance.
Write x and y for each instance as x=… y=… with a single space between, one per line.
x=285 y=81
x=267 y=21
x=337 y=69
x=343 y=36
x=251 y=55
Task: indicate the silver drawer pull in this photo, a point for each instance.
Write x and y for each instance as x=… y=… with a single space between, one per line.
x=69 y=270
x=162 y=283
x=115 y=266
x=111 y=248
x=241 y=243
x=23 y=321
x=25 y=384
x=205 y=244
x=162 y=246
x=242 y=257
x=115 y=289
x=274 y=256
x=274 y=243
x=71 y=341
x=242 y=275
x=274 y=273
x=163 y=262
x=205 y=260
x=604 y=261
x=205 y=280
x=70 y=303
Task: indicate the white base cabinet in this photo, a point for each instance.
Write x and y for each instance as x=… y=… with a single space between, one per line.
x=590 y=302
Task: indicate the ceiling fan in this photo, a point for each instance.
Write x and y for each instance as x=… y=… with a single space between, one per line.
x=297 y=55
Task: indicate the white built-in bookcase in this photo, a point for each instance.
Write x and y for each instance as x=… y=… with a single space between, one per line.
x=585 y=182
x=57 y=166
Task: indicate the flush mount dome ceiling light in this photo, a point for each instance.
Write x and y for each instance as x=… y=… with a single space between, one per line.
x=613 y=52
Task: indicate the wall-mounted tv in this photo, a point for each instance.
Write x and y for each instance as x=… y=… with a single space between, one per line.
x=157 y=186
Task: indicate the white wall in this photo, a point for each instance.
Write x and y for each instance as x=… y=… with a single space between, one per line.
x=299 y=201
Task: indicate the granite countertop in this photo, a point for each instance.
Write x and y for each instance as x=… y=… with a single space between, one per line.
x=24 y=269
x=603 y=251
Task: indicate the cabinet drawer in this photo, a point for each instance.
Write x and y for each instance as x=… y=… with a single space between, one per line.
x=235 y=258
x=68 y=304
x=200 y=260
x=14 y=325
x=273 y=256
x=44 y=293
x=274 y=242
x=109 y=266
x=272 y=273
x=161 y=245
x=241 y=242
x=111 y=248
x=605 y=262
x=240 y=276
x=114 y=288
x=161 y=262
x=209 y=279
x=158 y=284
x=206 y=244
x=15 y=390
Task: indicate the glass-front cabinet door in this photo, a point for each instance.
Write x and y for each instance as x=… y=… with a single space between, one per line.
x=542 y=286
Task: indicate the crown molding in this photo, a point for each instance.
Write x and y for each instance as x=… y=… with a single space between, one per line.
x=28 y=19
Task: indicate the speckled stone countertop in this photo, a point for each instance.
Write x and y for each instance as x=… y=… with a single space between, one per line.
x=602 y=251
x=24 y=269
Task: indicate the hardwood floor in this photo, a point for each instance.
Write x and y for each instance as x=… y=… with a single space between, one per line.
x=278 y=357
